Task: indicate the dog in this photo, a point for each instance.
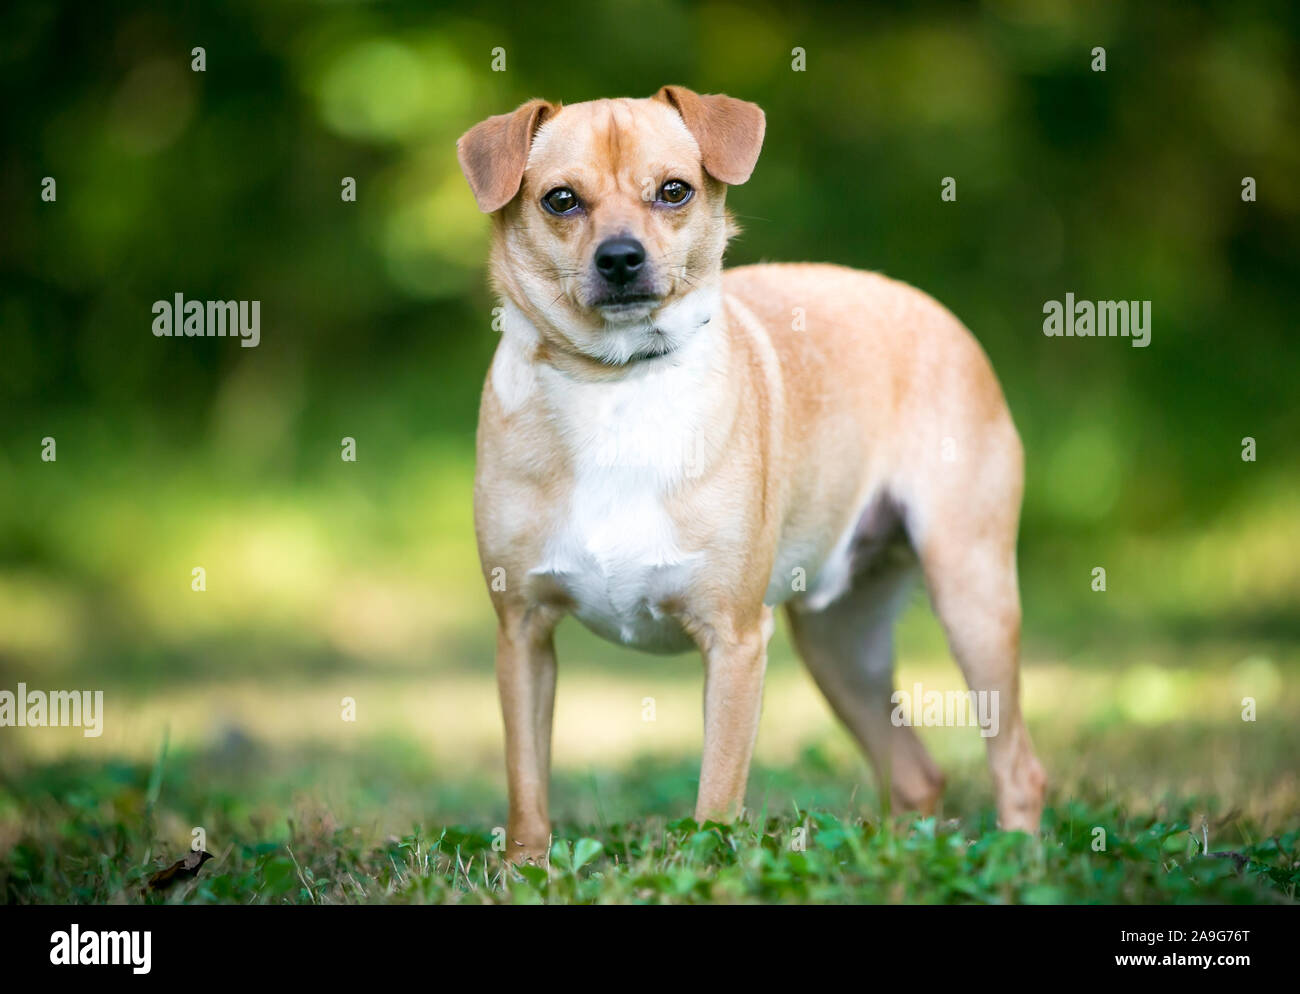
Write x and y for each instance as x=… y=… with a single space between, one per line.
x=667 y=451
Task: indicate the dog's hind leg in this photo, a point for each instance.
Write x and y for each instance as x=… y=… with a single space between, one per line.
x=848 y=647
x=967 y=549
x=973 y=589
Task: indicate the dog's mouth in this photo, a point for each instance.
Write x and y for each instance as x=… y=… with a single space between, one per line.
x=616 y=303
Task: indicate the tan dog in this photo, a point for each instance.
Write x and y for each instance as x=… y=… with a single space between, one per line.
x=667 y=450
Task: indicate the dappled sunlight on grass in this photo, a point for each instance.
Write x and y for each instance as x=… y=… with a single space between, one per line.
x=1138 y=731
x=348 y=584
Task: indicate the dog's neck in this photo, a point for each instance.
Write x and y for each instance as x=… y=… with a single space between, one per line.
x=676 y=409
x=657 y=420
x=622 y=348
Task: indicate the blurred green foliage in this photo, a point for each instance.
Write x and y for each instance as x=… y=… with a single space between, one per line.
x=225 y=184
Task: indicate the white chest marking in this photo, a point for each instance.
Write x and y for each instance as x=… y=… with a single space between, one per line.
x=631 y=442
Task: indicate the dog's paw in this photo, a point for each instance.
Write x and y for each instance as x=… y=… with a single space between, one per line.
x=1020 y=803
x=528 y=850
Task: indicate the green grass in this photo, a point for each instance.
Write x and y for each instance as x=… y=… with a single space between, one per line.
x=95 y=832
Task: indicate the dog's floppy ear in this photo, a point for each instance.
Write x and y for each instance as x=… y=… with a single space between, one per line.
x=728 y=131
x=494 y=152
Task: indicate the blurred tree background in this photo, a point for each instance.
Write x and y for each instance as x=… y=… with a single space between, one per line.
x=327 y=578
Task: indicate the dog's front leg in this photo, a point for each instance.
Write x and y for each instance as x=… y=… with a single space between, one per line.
x=734 y=664
x=526 y=684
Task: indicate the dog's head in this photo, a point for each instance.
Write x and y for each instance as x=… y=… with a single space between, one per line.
x=608 y=213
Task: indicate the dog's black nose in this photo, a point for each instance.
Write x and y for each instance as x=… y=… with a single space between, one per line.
x=619 y=260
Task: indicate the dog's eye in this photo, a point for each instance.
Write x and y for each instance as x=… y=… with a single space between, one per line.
x=675 y=192
x=561 y=200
